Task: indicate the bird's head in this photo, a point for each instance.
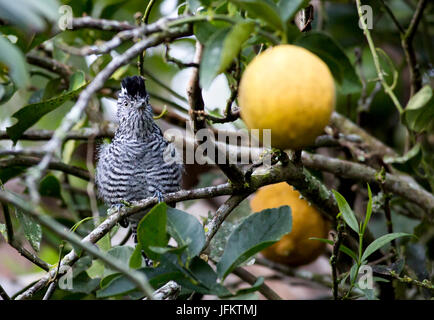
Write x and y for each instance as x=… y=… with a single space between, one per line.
x=133 y=99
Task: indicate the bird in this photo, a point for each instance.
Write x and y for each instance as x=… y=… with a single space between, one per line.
x=139 y=162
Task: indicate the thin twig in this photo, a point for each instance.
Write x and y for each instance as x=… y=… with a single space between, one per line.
x=126 y=237
x=53 y=165
x=50 y=290
x=380 y=72
x=148 y=11
x=334 y=258
x=427 y=284
x=266 y=291
x=178 y=62
x=50 y=64
x=407 y=37
x=407 y=45
x=3 y=294
x=392 y=16
x=220 y=216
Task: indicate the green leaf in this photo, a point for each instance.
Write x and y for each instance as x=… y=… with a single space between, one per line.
x=218 y=242
x=163 y=250
x=419 y=112
x=288 y=8
x=14 y=60
x=186 y=230
x=408 y=161
x=29 y=15
x=151 y=230
x=264 y=10
x=136 y=259
x=233 y=42
x=117 y=284
x=96 y=270
x=30 y=114
x=76 y=81
x=255 y=233
x=204 y=30
x=221 y=49
x=83 y=283
x=342 y=247
x=120 y=253
x=10 y=172
x=347 y=213
x=380 y=242
x=368 y=210
x=204 y=279
x=353 y=273
x=52 y=89
x=332 y=54
x=7 y=90
x=32 y=230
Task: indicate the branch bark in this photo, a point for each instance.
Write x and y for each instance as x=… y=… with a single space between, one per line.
x=395 y=184
x=53 y=165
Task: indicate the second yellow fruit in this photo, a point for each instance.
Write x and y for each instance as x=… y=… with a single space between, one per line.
x=295 y=248
x=289 y=90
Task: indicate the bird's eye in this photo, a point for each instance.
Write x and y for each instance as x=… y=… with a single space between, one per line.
x=125 y=103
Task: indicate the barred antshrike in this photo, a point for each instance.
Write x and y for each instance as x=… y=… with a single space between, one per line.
x=140 y=162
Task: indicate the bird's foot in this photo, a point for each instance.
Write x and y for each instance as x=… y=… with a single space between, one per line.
x=116 y=208
x=159 y=196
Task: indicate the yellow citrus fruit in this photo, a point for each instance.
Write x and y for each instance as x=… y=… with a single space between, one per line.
x=289 y=90
x=295 y=248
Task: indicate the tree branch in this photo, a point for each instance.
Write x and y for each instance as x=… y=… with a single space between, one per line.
x=53 y=165
x=220 y=216
x=111 y=221
x=398 y=185
x=102 y=24
x=50 y=64
x=197 y=113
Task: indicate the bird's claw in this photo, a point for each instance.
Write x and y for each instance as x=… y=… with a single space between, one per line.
x=159 y=196
x=116 y=208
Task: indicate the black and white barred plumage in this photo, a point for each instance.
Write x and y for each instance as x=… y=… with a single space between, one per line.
x=139 y=162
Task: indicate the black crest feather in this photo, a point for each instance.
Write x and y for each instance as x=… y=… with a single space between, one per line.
x=134 y=85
